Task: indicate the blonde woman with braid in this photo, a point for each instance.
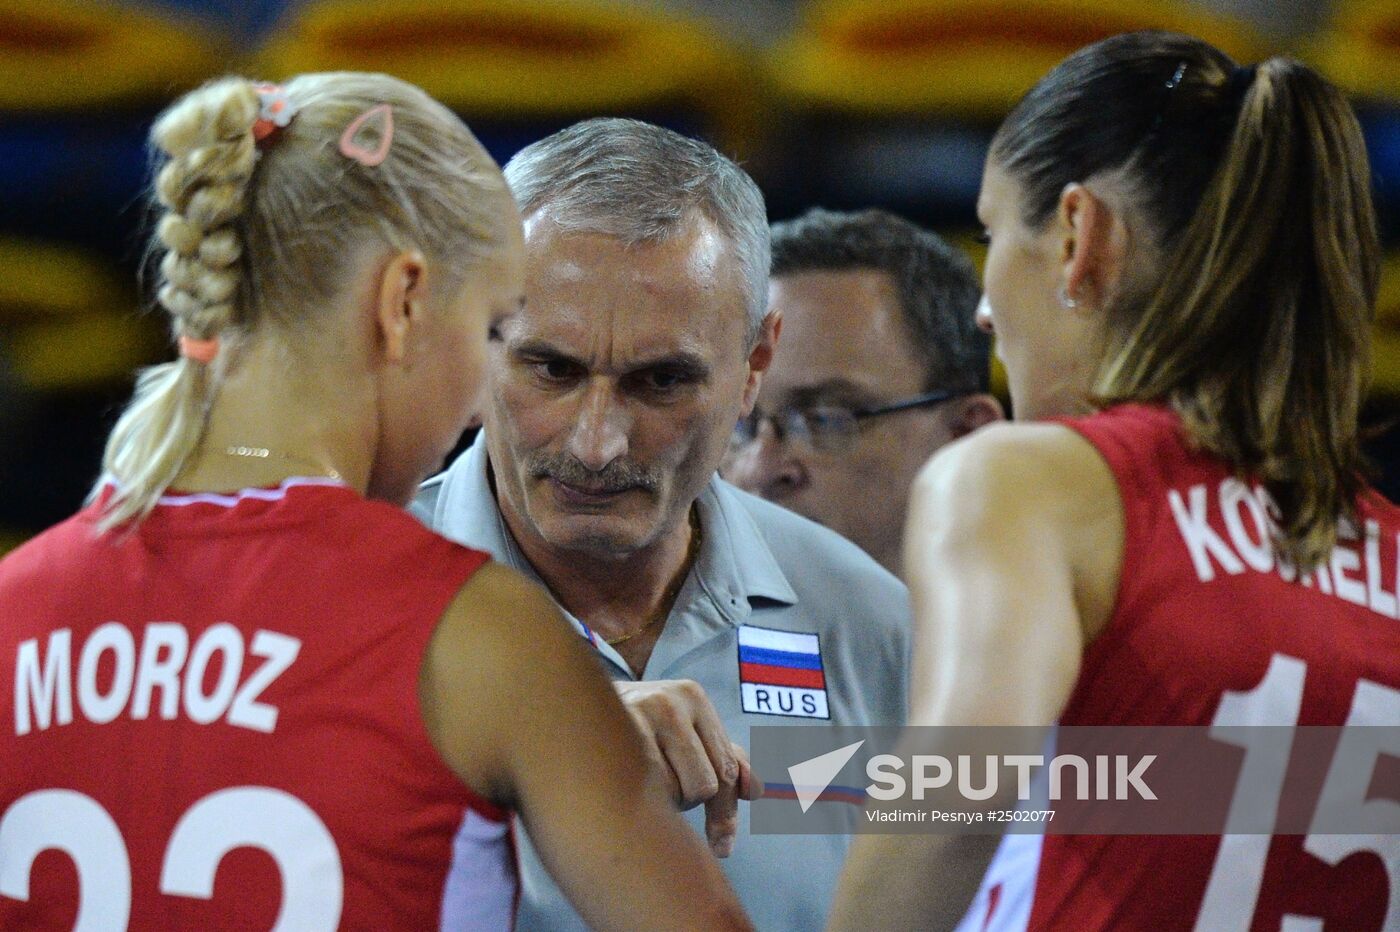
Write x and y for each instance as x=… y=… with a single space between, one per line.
x=243 y=688
x=1182 y=276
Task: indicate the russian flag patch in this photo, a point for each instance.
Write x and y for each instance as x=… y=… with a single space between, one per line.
x=780 y=673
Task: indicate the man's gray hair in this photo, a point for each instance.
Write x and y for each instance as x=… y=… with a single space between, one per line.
x=643 y=183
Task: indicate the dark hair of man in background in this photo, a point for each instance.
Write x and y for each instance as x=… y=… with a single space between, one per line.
x=937 y=284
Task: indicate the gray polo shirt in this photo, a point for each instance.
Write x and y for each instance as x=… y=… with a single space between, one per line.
x=768 y=584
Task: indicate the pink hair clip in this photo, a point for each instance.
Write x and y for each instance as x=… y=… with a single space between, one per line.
x=275 y=111
x=381 y=116
x=201 y=351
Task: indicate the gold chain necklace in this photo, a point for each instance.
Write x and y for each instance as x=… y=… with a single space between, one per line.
x=263 y=453
x=668 y=599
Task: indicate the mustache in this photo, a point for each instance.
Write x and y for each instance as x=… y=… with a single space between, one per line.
x=617 y=476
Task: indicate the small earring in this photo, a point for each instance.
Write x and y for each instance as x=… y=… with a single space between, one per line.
x=1066 y=300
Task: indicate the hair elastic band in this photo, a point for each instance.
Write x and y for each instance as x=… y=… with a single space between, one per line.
x=275 y=111
x=201 y=351
x=1240 y=81
x=383 y=114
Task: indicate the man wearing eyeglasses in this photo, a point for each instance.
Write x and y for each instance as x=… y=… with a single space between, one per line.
x=880 y=364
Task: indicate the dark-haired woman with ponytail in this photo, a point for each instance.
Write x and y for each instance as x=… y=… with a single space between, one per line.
x=1182 y=275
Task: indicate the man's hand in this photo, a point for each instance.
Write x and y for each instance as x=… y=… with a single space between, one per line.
x=693 y=753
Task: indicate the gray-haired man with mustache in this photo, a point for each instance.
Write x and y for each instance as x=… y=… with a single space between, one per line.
x=612 y=396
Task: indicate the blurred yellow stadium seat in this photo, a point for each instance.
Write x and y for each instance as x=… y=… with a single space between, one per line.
x=49 y=279
x=79 y=353
x=57 y=54
x=508 y=59
x=1360 y=49
x=69 y=321
x=1388 y=302
x=963 y=57
x=1385 y=358
x=1386 y=342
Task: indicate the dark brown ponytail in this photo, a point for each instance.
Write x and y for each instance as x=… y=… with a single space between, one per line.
x=1257 y=328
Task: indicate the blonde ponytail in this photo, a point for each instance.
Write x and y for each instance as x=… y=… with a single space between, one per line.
x=207 y=139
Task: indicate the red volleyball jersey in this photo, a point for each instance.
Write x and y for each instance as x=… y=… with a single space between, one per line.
x=213 y=723
x=1210 y=627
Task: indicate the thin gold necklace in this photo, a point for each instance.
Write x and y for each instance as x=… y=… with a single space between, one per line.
x=263 y=453
x=674 y=589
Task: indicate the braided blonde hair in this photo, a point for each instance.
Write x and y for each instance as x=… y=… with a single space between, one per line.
x=254 y=237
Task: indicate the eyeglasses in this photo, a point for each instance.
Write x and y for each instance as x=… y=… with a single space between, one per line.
x=829 y=428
